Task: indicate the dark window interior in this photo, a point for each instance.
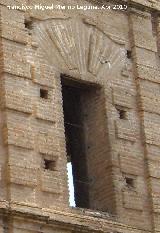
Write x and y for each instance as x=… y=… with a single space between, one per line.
x=75 y=141
x=87 y=145
x=74 y=93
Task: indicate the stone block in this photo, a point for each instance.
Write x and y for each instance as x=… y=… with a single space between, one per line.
x=15 y=59
x=50 y=182
x=125 y=130
x=22 y=175
x=44 y=74
x=123 y=97
x=47 y=143
x=131 y=163
x=132 y=200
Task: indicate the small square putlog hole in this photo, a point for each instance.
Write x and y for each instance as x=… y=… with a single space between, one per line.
x=122 y=113
x=129 y=54
x=129 y=182
x=49 y=165
x=44 y=93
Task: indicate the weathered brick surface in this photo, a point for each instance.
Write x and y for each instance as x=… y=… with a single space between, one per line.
x=22 y=175
x=123 y=97
x=125 y=130
x=44 y=74
x=50 y=182
x=129 y=165
x=149 y=115
x=20 y=94
x=15 y=61
x=132 y=201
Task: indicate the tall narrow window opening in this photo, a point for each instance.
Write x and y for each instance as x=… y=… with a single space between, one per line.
x=87 y=145
x=75 y=142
